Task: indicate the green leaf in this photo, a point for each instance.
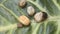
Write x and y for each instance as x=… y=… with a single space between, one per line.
x=10 y=11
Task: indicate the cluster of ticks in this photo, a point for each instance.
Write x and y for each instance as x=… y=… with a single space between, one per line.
x=24 y=20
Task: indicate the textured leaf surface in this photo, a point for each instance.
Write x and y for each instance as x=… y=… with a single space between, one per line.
x=10 y=11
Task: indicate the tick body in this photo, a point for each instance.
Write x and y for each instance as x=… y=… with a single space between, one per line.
x=40 y=16
x=30 y=10
x=22 y=3
x=24 y=20
x=19 y=25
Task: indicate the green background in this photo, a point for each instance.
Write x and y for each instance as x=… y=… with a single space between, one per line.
x=10 y=11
